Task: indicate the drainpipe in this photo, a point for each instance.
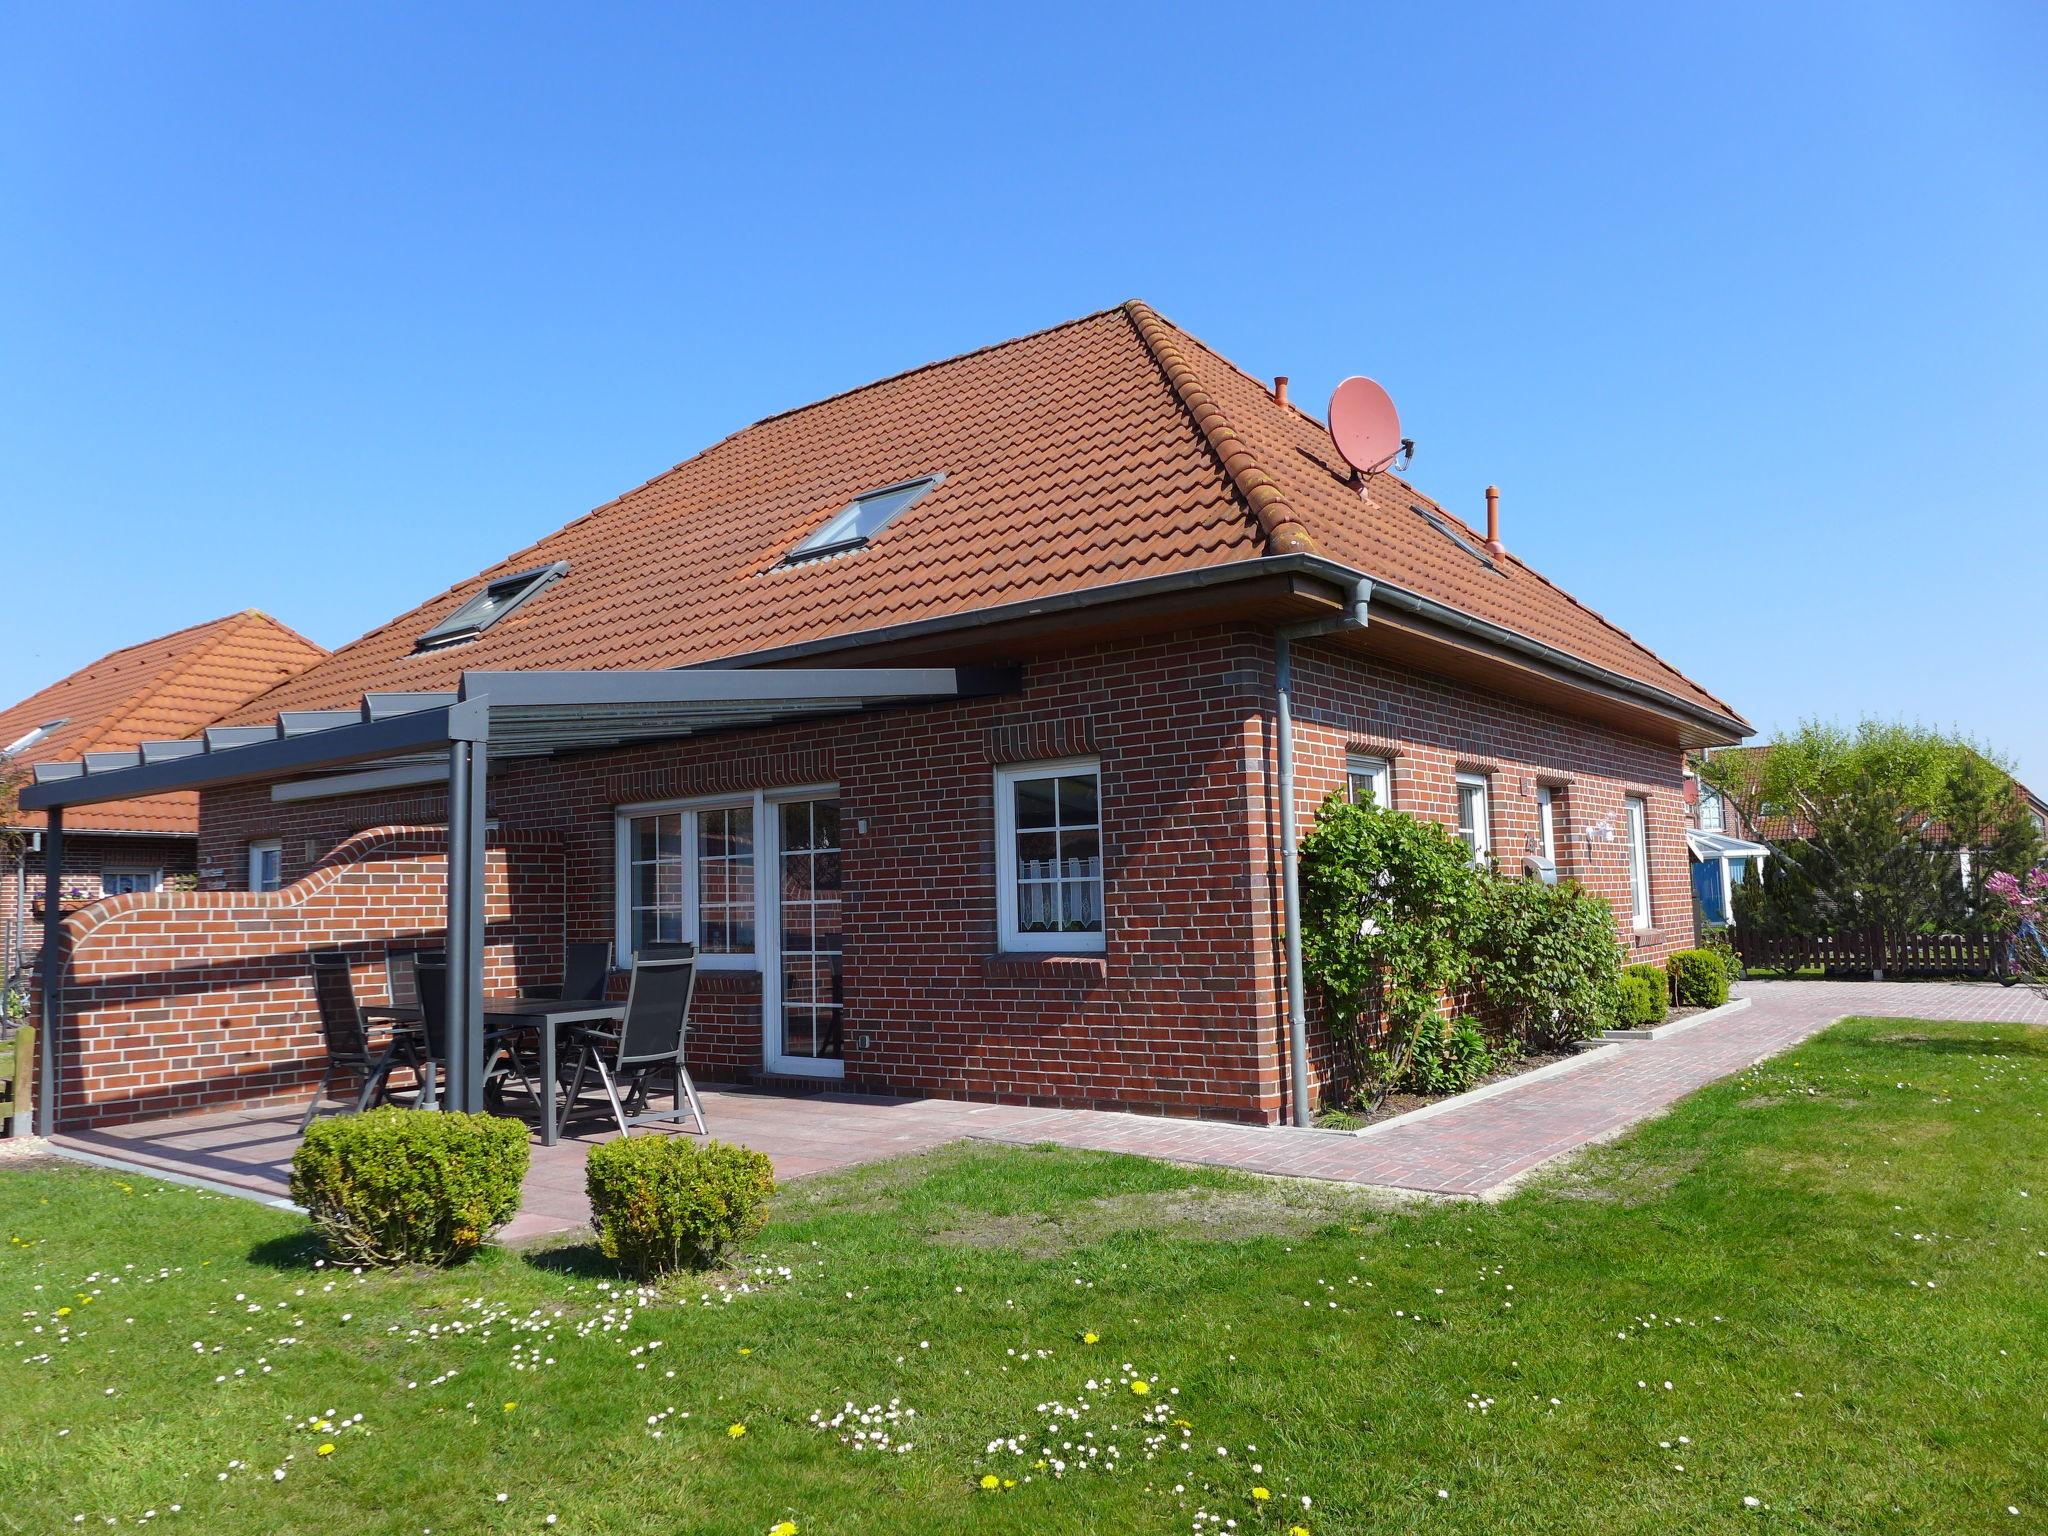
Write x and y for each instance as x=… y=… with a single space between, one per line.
x=1353 y=617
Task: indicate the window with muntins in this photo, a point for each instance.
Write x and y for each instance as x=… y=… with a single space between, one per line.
x=1475 y=828
x=688 y=877
x=123 y=882
x=1049 y=857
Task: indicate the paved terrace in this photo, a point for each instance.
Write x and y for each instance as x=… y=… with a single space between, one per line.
x=1477 y=1148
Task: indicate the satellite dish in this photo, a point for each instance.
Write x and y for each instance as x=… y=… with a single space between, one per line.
x=1365 y=425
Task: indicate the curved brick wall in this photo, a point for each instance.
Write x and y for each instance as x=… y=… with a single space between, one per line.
x=179 y=1000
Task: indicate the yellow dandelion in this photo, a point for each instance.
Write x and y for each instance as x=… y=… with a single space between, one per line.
x=325 y=1450
x=1091 y=1338
x=1009 y=1482
x=991 y=1482
x=1297 y=1530
x=63 y=1311
x=1262 y=1494
x=782 y=1528
x=510 y=1406
x=1141 y=1387
x=746 y=1350
x=736 y=1431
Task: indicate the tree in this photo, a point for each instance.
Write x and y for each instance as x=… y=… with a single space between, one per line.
x=1869 y=826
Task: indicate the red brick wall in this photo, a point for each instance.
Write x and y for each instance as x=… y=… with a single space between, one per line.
x=178 y=1000
x=1184 y=1012
x=87 y=856
x=1431 y=730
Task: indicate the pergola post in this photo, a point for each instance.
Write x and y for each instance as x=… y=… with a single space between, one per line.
x=467 y=765
x=53 y=972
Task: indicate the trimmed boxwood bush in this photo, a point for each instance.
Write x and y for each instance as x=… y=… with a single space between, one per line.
x=662 y=1203
x=409 y=1186
x=1643 y=993
x=1698 y=979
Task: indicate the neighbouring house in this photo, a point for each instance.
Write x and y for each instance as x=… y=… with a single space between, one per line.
x=1729 y=848
x=167 y=687
x=951 y=717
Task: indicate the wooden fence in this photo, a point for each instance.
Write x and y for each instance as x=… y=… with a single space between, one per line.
x=1862 y=953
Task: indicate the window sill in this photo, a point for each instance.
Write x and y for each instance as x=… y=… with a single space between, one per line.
x=1048 y=965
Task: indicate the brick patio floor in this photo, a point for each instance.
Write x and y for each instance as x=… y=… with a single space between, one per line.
x=1478 y=1148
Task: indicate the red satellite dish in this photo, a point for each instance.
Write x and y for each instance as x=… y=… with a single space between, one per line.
x=1365 y=424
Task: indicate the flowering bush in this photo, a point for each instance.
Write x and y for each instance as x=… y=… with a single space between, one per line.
x=409 y=1186
x=661 y=1203
x=1387 y=901
x=2020 y=901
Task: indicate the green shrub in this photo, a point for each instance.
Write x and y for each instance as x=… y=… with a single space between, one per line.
x=1720 y=938
x=661 y=1203
x=1698 y=979
x=1449 y=1058
x=1545 y=959
x=409 y=1186
x=1644 y=997
x=1386 y=901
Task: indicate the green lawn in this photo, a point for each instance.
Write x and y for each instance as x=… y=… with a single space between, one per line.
x=1822 y=1286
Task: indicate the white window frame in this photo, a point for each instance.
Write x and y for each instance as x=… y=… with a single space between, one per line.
x=1008 y=937
x=1376 y=772
x=1636 y=810
x=768 y=929
x=1546 y=824
x=1482 y=830
x=257 y=849
x=622 y=873
x=151 y=878
x=1713 y=810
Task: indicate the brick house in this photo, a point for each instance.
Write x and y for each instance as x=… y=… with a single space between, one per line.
x=944 y=716
x=170 y=686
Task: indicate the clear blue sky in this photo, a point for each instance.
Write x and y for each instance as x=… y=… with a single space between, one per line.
x=318 y=309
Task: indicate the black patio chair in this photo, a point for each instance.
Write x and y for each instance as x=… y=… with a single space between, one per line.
x=431 y=975
x=586 y=974
x=645 y=1045
x=347 y=1037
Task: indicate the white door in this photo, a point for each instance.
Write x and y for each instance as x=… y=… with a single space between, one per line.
x=802 y=983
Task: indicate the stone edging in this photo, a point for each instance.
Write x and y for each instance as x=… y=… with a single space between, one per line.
x=1490 y=1091
x=1633 y=1036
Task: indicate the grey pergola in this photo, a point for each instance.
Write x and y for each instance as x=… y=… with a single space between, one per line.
x=491 y=716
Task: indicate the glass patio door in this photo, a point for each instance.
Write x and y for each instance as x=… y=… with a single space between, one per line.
x=806 y=1002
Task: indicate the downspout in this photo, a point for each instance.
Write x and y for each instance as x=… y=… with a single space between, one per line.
x=1353 y=617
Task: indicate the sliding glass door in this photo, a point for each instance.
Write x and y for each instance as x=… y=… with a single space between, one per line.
x=806 y=1000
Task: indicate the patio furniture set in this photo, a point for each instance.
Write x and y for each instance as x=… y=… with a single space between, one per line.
x=562 y=1046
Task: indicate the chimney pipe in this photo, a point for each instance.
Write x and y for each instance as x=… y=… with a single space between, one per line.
x=1280 y=387
x=1493 y=543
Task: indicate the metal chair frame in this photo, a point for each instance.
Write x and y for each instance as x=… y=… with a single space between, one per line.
x=347 y=1037
x=650 y=1038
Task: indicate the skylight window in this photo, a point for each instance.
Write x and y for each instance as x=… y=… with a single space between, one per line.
x=1441 y=526
x=862 y=518
x=490 y=605
x=23 y=743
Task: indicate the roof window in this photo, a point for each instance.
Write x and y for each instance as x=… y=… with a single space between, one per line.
x=490 y=605
x=861 y=519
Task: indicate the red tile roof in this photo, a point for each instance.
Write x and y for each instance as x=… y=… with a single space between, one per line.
x=1106 y=449
x=160 y=690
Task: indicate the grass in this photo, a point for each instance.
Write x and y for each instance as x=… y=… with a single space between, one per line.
x=1822 y=1286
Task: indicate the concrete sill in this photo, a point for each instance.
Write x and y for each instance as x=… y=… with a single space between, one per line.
x=1660 y=1031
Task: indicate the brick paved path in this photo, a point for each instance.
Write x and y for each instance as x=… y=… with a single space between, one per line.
x=1472 y=1149
x=1479 y=1148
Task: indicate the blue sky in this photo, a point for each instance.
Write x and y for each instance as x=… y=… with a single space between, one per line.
x=320 y=309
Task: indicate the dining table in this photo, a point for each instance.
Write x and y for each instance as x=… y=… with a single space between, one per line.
x=548 y=1015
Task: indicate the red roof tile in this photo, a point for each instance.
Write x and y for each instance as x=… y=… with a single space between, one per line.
x=1106 y=449
x=159 y=690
